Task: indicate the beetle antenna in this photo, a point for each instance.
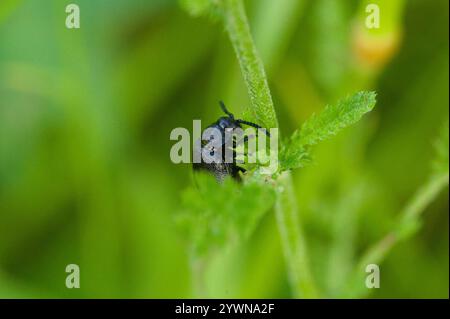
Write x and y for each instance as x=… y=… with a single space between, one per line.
x=224 y=109
x=253 y=125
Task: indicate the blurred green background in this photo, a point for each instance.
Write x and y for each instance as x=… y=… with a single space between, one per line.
x=85 y=118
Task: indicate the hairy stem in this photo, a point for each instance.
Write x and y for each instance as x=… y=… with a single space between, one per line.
x=251 y=65
x=293 y=241
x=252 y=68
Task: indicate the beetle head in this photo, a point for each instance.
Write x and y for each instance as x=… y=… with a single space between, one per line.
x=227 y=122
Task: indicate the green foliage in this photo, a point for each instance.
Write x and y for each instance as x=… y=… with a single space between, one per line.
x=85 y=177
x=216 y=214
x=295 y=153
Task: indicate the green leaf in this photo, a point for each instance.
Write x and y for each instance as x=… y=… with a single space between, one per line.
x=216 y=214
x=334 y=118
x=295 y=153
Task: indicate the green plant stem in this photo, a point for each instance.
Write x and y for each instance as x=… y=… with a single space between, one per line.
x=251 y=65
x=424 y=197
x=411 y=214
x=410 y=217
x=252 y=68
x=293 y=241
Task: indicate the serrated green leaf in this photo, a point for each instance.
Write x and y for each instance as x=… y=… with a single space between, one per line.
x=328 y=123
x=216 y=214
x=334 y=118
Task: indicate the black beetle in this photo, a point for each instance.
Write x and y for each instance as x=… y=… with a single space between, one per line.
x=219 y=166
